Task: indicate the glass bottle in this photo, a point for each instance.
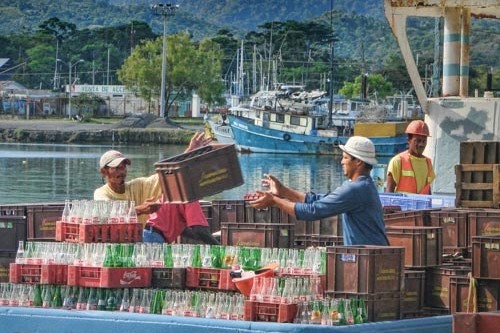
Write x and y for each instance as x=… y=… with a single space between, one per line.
x=92 y=299
x=349 y=318
x=135 y=301
x=47 y=297
x=20 y=258
x=132 y=213
x=110 y=300
x=315 y=313
x=37 y=297
x=101 y=300
x=65 y=212
x=145 y=306
x=108 y=257
x=325 y=313
x=196 y=258
x=334 y=312
x=361 y=316
x=68 y=298
x=81 y=303
x=341 y=312
x=57 y=298
x=168 y=257
x=125 y=303
x=206 y=260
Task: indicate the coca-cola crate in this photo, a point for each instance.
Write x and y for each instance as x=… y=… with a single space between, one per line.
x=478 y=185
x=98 y=233
x=412 y=300
x=6 y=258
x=408 y=218
x=476 y=322
x=168 y=277
x=270 y=312
x=199 y=173
x=38 y=274
x=484 y=222
x=365 y=269
x=379 y=306
x=485 y=257
x=305 y=241
x=210 y=278
x=423 y=245
x=12 y=230
x=109 y=277
x=258 y=235
x=437 y=285
x=13 y=210
x=480 y=152
x=455 y=226
x=42 y=220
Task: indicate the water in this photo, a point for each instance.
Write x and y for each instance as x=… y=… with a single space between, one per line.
x=36 y=173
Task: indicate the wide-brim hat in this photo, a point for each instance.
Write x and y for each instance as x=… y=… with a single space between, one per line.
x=361 y=148
x=112 y=158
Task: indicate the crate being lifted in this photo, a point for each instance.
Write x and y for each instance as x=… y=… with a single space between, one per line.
x=199 y=173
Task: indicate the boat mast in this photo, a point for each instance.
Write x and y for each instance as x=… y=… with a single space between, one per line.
x=330 y=88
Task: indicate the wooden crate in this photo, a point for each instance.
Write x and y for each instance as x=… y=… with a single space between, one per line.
x=480 y=152
x=478 y=185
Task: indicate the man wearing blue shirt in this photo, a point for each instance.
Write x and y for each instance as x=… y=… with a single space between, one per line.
x=357 y=199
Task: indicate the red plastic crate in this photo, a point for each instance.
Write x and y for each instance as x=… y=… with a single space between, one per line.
x=365 y=269
x=98 y=233
x=209 y=278
x=109 y=277
x=39 y=274
x=271 y=312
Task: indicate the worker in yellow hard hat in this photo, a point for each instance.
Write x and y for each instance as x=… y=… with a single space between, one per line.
x=411 y=171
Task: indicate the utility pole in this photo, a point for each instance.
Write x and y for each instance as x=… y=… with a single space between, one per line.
x=164 y=10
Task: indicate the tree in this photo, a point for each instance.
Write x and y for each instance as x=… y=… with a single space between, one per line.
x=377 y=86
x=190 y=67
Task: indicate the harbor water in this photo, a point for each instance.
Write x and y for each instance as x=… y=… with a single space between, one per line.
x=38 y=173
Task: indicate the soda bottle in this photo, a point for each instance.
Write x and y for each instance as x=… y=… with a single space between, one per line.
x=125 y=304
x=196 y=259
x=168 y=258
x=101 y=301
x=108 y=257
x=92 y=300
x=66 y=210
x=110 y=300
x=20 y=259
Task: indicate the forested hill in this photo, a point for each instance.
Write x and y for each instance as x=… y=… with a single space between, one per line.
x=200 y=17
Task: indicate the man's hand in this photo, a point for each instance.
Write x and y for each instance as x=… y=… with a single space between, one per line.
x=148 y=207
x=275 y=186
x=265 y=200
x=198 y=140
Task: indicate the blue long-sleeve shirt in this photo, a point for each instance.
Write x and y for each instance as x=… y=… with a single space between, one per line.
x=358 y=202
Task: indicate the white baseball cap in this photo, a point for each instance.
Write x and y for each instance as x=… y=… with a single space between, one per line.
x=113 y=158
x=361 y=148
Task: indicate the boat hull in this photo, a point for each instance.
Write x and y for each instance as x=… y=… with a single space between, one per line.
x=256 y=139
x=222 y=132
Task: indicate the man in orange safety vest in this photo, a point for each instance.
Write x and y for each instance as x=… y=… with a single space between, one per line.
x=411 y=171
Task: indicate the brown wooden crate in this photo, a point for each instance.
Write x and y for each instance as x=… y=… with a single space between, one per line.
x=412 y=300
x=258 y=235
x=485 y=257
x=476 y=322
x=480 y=152
x=455 y=226
x=437 y=285
x=478 y=185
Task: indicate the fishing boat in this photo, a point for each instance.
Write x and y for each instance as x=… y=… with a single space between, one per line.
x=302 y=125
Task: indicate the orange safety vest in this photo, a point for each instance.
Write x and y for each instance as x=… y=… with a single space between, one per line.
x=407 y=182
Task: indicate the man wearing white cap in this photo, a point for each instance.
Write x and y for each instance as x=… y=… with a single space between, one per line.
x=357 y=199
x=163 y=222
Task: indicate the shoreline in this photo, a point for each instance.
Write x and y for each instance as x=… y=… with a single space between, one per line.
x=128 y=130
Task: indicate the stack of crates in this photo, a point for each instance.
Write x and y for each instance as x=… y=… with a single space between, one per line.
x=372 y=273
x=243 y=225
x=12 y=230
x=478 y=175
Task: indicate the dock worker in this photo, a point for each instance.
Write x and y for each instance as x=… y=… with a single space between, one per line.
x=411 y=171
x=356 y=199
x=163 y=222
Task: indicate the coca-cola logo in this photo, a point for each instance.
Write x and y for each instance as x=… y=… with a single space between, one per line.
x=129 y=277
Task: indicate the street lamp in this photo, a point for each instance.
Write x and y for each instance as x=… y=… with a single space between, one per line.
x=70 y=66
x=164 y=10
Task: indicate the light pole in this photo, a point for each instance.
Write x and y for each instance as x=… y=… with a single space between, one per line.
x=70 y=66
x=164 y=10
